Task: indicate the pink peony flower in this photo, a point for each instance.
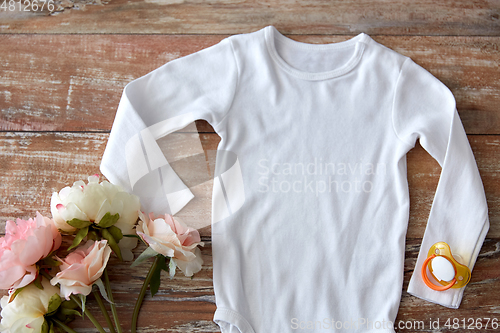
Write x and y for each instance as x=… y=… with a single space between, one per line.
x=24 y=244
x=170 y=237
x=81 y=268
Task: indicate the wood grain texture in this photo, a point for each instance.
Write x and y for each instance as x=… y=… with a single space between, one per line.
x=74 y=83
x=418 y=17
x=33 y=165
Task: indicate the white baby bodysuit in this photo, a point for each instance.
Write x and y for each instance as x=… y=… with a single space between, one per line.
x=310 y=207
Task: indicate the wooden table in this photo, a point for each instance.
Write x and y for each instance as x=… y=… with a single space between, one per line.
x=62 y=75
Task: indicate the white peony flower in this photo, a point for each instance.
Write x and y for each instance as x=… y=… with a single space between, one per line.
x=90 y=202
x=25 y=313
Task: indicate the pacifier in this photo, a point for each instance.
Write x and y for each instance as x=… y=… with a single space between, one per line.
x=444 y=267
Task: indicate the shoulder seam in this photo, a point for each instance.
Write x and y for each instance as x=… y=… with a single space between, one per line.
x=393 y=105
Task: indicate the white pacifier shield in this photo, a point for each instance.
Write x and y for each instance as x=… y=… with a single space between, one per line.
x=442 y=269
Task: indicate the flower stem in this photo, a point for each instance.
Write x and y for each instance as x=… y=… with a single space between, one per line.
x=89 y=315
x=45 y=274
x=104 y=311
x=113 y=306
x=145 y=285
x=63 y=326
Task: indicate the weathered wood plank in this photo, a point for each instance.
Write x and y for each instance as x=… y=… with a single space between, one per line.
x=33 y=165
x=64 y=83
x=42 y=90
x=420 y=17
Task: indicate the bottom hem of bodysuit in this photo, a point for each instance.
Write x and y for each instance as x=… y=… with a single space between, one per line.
x=234 y=318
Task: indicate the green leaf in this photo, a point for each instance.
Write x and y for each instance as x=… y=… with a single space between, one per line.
x=102 y=289
x=172 y=266
x=83 y=300
x=79 y=237
x=79 y=224
x=50 y=262
x=71 y=304
x=69 y=312
x=54 y=303
x=92 y=235
x=154 y=285
x=162 y=264
x=51 y=328
x=45 y=327
x=38 y=282
x=112 y=243
x=116 y=232
x=108 y=220
x=148 y=253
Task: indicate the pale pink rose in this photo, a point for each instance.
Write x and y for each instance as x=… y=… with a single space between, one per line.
x=81 y=268
x=171 y=237
x=25 y=243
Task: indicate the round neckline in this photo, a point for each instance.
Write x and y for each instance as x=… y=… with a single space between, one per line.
x=272 y=35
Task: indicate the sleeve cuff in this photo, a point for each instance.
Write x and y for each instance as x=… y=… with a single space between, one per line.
x=450 y=298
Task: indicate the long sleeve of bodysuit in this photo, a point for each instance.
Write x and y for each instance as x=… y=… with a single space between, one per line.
x=200 y=85
x=424 y=109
